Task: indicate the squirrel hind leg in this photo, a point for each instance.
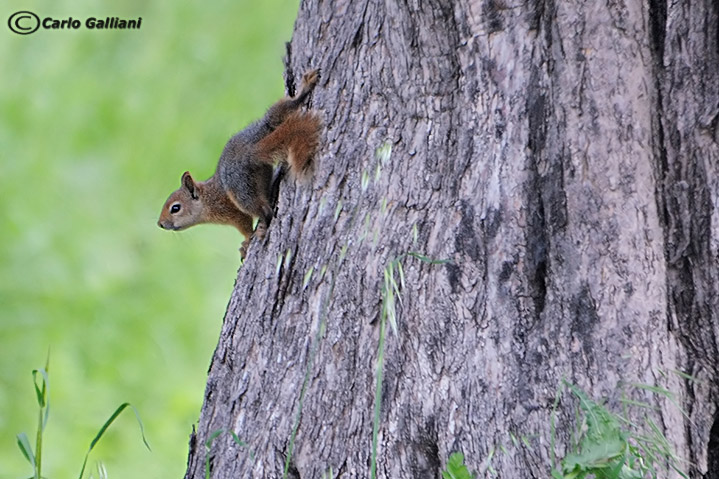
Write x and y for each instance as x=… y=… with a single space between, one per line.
x=304 y=143
x=284 y=107
x=295 y=141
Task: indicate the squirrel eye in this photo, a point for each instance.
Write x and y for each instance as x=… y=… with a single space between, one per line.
x=175 y=208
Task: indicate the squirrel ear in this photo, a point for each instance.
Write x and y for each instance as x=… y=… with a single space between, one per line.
x=189 y=184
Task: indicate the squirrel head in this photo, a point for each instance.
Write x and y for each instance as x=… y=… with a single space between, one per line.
x=184 y=207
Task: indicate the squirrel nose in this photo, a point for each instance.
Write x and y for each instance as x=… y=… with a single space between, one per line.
x=159 y=223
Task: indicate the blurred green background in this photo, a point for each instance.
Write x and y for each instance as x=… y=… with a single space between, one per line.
x=96 y=128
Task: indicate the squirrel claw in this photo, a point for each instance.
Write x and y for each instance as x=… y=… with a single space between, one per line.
x=261 y=230
x=243 y=249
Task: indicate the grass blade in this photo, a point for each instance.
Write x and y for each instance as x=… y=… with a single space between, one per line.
x=237 y=440
x=401 y=274
x=377 y=399
x=388 y=306
x=308 y=276
x=686 y=376
x=213 y=436
x=208 y=448
x=43 y=401
x=553 y=426
x=425 y=259
x=107 y=424
x=42 y=394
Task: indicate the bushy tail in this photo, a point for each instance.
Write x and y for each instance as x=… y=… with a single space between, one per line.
x=295 y=141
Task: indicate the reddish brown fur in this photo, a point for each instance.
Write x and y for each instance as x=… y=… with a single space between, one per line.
x=223 y=210
x=296 y=139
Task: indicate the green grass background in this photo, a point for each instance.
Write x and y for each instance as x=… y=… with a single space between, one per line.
x=96 y=128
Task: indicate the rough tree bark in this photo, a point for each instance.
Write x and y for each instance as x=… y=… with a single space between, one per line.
x=563 y=156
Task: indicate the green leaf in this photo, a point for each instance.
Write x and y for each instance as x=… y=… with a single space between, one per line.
x=24 y=444
x=41 y=392
x=556 y=474
x=455 y=468
x=595 y=455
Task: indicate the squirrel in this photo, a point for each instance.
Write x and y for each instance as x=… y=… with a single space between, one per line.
x=243 y=185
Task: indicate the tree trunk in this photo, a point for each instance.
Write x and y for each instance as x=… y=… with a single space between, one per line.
x=563 y=157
